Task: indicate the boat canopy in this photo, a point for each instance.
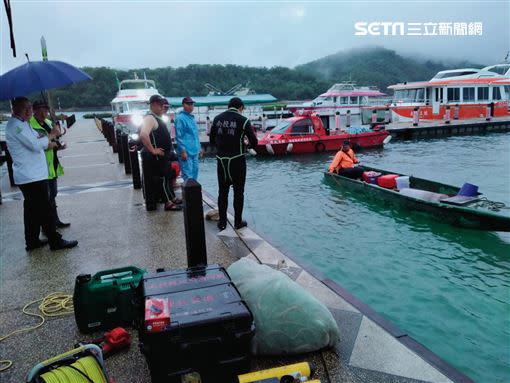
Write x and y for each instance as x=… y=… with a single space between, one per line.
x=249 y=99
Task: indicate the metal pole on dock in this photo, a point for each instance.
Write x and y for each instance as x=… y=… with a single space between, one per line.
x=194 y=223
x=337 y=122
x=387 y=115
x=488 y=113
x=125 y=151
x=373 y=120
x=416 y=116
x=118 y=133
x=456 y=112
x=135 y=167
x=447 y=115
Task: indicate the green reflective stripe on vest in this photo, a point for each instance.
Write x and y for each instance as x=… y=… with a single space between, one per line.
x=49 y=153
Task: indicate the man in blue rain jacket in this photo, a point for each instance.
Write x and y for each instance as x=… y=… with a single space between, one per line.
x=186 y=137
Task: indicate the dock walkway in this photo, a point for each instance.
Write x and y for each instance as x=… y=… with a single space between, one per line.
x=113 y=229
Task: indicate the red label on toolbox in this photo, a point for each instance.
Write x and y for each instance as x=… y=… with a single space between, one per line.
x=157 y=314
x=156 y=284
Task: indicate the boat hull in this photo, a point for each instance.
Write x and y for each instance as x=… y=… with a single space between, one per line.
x=314 y=144
x=455 y=215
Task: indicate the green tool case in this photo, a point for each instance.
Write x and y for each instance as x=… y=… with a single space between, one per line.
x=106 y=300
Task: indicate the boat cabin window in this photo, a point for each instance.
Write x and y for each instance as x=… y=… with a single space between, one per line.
x=468 y=94
x=496 y=93
x=281 y=127
x=507 y=91
x=483 y=93
x=343 y=100
x=410 y=95
x=354 y=100
x=420 y=95
x=302 y=127
x=453 y=94
x=439 y=95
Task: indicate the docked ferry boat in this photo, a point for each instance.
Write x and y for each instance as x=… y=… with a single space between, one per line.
x=132 y=102
x=470 y=93
x=340 y=98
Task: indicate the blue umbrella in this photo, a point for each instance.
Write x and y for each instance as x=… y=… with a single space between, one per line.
x=38 y=76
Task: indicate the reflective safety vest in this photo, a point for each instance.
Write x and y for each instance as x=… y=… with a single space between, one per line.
x=343 y=160
x=53 y=171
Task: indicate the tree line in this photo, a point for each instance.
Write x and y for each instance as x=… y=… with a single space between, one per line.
x=376 y=66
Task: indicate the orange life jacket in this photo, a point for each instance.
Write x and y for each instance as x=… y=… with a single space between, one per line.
x=343 y=160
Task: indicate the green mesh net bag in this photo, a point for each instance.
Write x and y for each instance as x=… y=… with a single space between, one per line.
x=288 y=319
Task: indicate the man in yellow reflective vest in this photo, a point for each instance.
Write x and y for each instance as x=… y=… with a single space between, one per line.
x=42 y=125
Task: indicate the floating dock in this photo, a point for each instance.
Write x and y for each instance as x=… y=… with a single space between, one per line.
x=440 y=129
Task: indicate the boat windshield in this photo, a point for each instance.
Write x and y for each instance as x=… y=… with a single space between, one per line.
x=138 y=106
x=281 y=127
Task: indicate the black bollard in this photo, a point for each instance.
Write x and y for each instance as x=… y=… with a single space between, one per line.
x=149 y=185
x=118 y=132
x=135 y=167
x=125 y=151
x=109 y=130
x=194 y=223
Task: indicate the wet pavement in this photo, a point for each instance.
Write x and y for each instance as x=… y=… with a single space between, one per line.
x=114 y=230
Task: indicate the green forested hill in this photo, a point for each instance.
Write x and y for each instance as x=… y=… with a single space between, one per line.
x=376 y=66
x=371 y=66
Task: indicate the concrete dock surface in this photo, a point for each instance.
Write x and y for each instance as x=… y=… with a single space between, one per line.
x=114 y=230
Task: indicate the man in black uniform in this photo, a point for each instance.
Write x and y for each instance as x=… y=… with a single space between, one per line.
x=158 y=150
x=228 y=132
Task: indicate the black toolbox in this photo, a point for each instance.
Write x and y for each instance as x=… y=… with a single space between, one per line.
x=209 y=329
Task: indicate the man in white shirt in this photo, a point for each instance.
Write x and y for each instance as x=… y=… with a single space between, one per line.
x=31 y=175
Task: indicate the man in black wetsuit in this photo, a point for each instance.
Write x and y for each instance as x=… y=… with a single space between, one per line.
x=228 y=132
x=158 y=149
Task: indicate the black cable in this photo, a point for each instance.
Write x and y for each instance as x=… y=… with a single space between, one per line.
x=81 y=372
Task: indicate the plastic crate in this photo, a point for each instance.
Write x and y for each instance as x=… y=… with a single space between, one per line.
x=210 y=326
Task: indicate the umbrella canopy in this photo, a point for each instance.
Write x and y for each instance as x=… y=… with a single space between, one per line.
x=38 y=76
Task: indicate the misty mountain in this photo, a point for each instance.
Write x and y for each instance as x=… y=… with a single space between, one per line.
x=376 y=66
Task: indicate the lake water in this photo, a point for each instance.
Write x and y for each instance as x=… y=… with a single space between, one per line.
x=447 y=287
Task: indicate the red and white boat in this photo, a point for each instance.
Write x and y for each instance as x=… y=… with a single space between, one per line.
x=470 y=93
x=340 y=98
x=305 y=133
x=132 y=102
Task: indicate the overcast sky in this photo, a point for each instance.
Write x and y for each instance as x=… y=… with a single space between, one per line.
x=134 y=34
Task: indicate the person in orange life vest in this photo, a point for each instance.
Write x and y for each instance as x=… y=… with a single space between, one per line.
x=343 y=163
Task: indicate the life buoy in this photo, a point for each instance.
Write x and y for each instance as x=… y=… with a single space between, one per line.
x=269 y=149
x=320 y=147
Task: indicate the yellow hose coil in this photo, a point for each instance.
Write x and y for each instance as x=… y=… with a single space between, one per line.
x=65 y=374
